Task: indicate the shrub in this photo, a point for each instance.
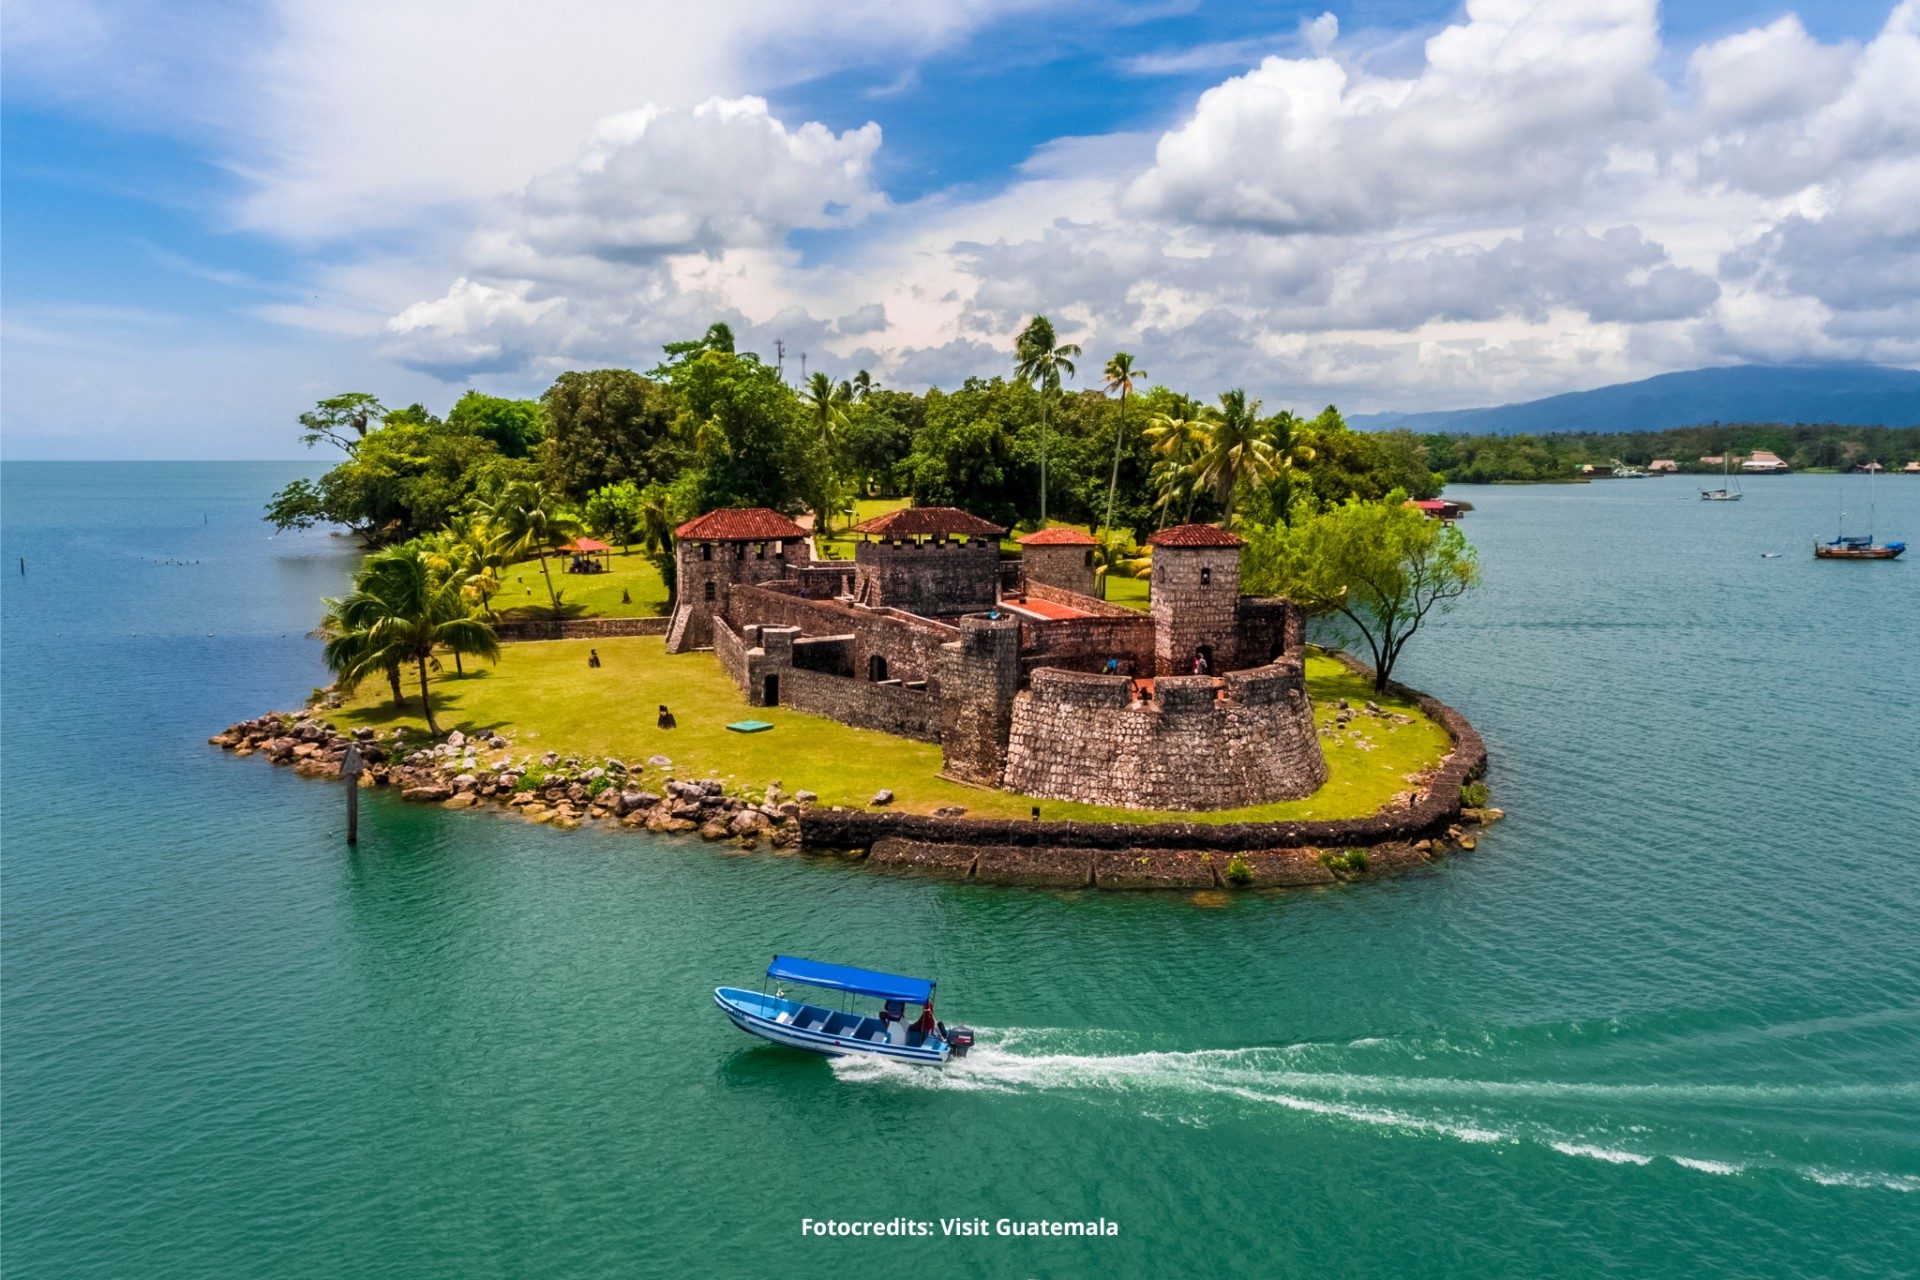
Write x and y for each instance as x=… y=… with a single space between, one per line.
x=1473 y=795
x=1344 y=861
x=1238 y=872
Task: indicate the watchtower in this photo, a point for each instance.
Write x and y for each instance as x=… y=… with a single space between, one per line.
x=722 y=548
x=1059 y=558
x=932 y=561
x=1196 y=591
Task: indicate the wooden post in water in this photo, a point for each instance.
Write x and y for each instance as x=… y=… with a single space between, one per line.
x=350 y=772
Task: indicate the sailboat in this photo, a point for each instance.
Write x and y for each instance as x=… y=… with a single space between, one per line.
x=1724 y=493
x=1847 y=546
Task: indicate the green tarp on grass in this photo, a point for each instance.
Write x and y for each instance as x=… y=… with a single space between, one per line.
x=749 y=726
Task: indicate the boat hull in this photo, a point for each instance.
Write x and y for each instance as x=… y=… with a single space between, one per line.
x=749 y=1011
x=1857 y=553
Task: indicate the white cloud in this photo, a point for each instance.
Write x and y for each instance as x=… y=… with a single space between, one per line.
x=1514 y=110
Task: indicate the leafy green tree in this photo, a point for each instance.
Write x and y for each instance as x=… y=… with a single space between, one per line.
x=607 y=426
x=402 y=611
x=878 y=437
x=1380 y=567
x=966 y=456
x=1042 y=359
x=527 y=517
x=514 y=427
x=342 y=420
x=750 y=444
x=1121 y=375
x=626 y=513
x=719 y=337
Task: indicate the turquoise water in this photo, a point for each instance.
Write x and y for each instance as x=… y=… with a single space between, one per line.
x=1665 y=1021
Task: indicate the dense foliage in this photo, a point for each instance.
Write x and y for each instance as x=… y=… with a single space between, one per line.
x=1490 y=459
x=711 y=427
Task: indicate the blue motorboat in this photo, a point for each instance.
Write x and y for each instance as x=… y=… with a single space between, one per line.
x=884 y=1033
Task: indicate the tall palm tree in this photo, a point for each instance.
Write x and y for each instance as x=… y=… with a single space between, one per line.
x=1177 y=437
x=525 y=517
x=401 y=611
x=344 y=652
x=863 y=385
x=1042 y=359
x=1120 y=375
x=826 y=402
x=1238 y=449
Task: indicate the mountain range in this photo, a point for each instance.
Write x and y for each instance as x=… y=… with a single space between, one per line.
x=1848 y=394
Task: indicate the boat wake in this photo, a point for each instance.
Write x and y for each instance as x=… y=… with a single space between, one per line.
x=1718 y=1129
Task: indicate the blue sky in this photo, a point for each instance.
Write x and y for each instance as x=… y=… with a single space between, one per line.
x=214 y=214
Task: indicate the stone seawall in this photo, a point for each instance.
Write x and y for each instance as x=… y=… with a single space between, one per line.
x=580 y=628
x=1432 y=812
x=1084 y=737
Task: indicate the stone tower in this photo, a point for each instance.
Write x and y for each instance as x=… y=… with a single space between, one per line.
x=1060 y=558
x=1196 y=593
x=719 y=549
x=978 y=676
x=933 y=561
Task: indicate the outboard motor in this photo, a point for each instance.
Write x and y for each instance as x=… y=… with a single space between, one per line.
x=959 y=1039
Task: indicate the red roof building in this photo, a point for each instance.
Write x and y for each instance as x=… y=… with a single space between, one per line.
x=741 y=524
x=929 y=522
x=1437 y=508
x=1057 y=538
x=1194 y=535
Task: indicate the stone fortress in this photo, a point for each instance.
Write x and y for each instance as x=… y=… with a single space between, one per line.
x=1025 y=678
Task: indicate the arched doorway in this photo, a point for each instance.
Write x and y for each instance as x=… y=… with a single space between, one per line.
x=876 y=668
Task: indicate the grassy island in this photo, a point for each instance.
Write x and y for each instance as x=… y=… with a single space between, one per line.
x=544 y=697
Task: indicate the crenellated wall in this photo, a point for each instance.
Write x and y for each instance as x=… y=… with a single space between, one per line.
x=705 y=570
x=933 y=578
x=906 y=643
x=977 y=677
x=752 y=656
x=1198 y=744
x=1069 y=567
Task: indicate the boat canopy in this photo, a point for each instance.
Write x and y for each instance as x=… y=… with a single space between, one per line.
x=844 y=977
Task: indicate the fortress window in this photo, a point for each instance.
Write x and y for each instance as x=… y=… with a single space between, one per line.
x=759 y=551
x=709 y=590
x=739 y=551
x=706 y=551
x=1206 y=575
x=1089 y=559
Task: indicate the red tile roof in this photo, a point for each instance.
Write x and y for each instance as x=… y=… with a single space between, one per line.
x=914 y=522
x=741 y=524
x=1057 y=538
x=1194 y=535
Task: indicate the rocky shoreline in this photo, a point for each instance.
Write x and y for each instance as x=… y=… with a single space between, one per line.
x=463 y=772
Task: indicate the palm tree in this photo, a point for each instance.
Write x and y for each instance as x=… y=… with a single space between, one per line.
x=826 y=402
x=402 y=609
x=344 y=652
x=863 y=385
x=1116 y=556
x=525 y=517
x=1177 y=437
x=1238 y=449
x=1040 y=358
x=1120 y=375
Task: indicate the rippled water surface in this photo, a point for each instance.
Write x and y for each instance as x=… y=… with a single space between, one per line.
x=1665 y=1021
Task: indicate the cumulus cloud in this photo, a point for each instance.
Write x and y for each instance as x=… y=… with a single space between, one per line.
x=1533 y=207
x=725 y=174
x=1516 y=108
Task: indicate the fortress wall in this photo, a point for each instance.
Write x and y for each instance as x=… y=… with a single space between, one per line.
x=1085 y=644
x=931 y=578
x=977 y=676
x=750 y=656
x=1082 y=601
x=1081 y=737
x=1267 y=628
x=908 y=644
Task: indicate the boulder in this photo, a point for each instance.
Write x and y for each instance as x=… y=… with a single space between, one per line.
x=466 y=801
x=660 y=762
x=550 y=759
x=748 y=822
x=806 y=797
x=465 y=782
x=363 y=734
x=616 y=766
x=881 y=797
x=456 y=740
x=432 y=791
x=713 y=829
x=949 y=811
x=497 y=742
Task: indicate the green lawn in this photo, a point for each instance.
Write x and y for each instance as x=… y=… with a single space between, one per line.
x=523 y=593
x=545 y=697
